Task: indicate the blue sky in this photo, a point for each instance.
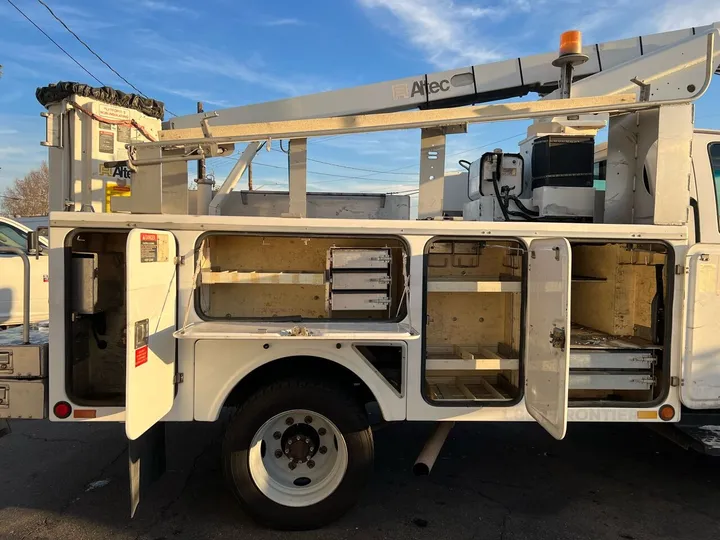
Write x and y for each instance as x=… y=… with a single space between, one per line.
x=235 y=52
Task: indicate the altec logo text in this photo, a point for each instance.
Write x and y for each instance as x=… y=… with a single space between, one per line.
x=423 y=88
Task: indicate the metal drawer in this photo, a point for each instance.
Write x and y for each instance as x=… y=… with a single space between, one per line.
x=360 y=281
x=23 y=361
x=23 y=399
x=580 y=380
x=359 y=301
x=599 y=359
x=347 y=259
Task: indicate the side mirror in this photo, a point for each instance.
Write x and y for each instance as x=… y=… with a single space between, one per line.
x=33 y=244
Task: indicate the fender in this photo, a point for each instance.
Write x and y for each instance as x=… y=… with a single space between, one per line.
x=221 y=364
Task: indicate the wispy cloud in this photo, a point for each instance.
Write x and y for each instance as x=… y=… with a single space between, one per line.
x=169 y=56
x=194 y=95
x=443 y=29
x=675 y=15
x=283 y=22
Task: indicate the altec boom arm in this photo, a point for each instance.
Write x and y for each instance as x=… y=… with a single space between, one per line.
x=475 y=84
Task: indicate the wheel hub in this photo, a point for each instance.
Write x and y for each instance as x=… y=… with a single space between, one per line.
x=300 y=442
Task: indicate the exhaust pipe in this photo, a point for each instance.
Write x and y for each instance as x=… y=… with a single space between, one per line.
x=431 y=450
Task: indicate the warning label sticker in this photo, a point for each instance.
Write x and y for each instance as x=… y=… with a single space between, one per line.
x=107 y=142
x=141 y=356
x=153 y=247
x=123 y=134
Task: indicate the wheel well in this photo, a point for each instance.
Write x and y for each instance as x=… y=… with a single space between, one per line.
x=299 y=366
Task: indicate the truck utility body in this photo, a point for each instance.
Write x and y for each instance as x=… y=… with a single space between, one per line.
x=545 y=300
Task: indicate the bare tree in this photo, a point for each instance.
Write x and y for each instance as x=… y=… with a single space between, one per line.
x=28 y=196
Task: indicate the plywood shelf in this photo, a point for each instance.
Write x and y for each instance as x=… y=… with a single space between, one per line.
x=273 y=278
x=464 y=284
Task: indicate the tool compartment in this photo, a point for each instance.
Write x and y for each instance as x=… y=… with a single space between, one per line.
x=475 y=322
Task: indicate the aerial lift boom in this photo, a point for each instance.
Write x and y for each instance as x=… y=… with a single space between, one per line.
x=466 y=86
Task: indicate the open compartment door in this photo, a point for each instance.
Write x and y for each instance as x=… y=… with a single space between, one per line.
x=700 y=387
x=547 y=343
x=151 y=320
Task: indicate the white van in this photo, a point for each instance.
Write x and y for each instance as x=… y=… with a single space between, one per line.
x=14 y=234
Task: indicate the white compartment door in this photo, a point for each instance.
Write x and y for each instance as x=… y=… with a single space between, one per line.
x=151 y=320
x=547 y=338
x=700 y=387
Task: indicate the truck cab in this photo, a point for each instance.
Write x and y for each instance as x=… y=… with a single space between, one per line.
x=14 y=234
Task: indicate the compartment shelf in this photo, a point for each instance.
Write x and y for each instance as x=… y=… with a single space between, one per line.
x=582 y=337
x=588 y=279
x=463 y=389
x=465 y=284
x=470 y=358
x=274 y=278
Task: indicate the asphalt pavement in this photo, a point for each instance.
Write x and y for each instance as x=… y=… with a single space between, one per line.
x=492 y=481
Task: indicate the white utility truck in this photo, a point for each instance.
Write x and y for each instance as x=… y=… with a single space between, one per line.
x=546 y=300
x=13 y=233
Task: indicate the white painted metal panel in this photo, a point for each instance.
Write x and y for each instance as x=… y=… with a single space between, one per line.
x=505 y=74
x=360 y=280
x=614 y=53
x=675 y=73
x=450 y=84
x=359 y=301
x=700 y=387
x=599 y=359
x=151 y=319
x=611 y=381
x=547 y=348
x=360 y=258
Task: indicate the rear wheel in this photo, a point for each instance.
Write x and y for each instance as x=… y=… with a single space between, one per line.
x=298 y=453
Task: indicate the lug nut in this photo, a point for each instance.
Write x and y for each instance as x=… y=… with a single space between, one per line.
x=292 y=465
x=278 y=453
x=287 y=450
x=310 y=464
x=308 y=419
x=312 y=448
x=323 y=450
x=297 y=437
x=277 y=435
x=289 y=421
x=322 y=431
x=307 y=441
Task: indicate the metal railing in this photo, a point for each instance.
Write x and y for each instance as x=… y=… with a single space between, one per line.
x=26 y=288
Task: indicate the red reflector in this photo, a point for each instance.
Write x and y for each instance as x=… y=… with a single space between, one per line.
x=85 y=413
x=62 y=409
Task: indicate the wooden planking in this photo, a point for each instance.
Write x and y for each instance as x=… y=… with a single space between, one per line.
x=597 y=304
x=269 y=254
x=471 y=286
x=276 y=278
x=458 y=319
x=621 y=302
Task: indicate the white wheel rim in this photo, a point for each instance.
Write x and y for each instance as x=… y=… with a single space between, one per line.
x=310 y=481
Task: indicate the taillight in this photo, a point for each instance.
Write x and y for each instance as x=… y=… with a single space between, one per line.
x=62 y=409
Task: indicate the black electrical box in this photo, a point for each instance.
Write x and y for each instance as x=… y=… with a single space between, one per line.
x=563 y=161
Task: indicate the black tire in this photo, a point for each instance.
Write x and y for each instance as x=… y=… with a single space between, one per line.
x=331 y=400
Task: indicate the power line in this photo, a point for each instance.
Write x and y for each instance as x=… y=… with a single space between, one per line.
x=340 y=165
x=58 y=19
x=55 y=42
